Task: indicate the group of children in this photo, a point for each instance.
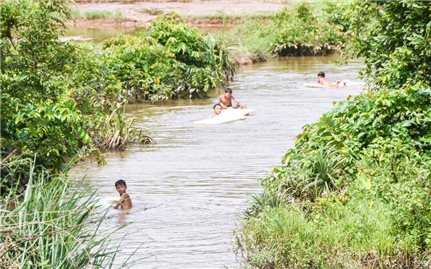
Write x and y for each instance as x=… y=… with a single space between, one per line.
x=226 y=100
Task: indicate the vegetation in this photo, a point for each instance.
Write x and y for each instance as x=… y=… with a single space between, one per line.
x=302 y=30
x=63 y=101
x=401 y=53
x=354 y=192
x=167 y=60
x=52 y=225
x=94 y=15
x=57 y=100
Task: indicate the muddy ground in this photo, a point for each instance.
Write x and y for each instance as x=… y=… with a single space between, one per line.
x=140 y=13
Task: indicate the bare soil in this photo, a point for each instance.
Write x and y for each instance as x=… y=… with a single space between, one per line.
x=138 y=14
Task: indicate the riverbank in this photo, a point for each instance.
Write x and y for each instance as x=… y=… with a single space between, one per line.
x=139 y=14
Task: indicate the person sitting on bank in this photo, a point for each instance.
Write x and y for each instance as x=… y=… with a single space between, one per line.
x=323 y=81
x=125 y=202
x=216 y=110
x=227 y=100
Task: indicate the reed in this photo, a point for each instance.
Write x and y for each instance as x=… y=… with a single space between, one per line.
x=53 y=224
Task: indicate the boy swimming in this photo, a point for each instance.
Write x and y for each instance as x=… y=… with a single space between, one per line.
x=125 y=202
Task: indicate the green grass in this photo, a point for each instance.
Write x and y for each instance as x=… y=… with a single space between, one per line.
x=254 y=38
x=340 y=236
x=99 y=14
x=53 y=224
x=224 y=16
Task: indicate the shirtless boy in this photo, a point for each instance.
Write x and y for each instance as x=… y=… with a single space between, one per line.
x=227 y=100
x=125 y=202
x=216 y=110
x=323 y=81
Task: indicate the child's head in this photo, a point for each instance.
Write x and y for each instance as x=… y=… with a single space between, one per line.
x=321 y=74
x=120 y=186
x=228 y=92
x=217 y=108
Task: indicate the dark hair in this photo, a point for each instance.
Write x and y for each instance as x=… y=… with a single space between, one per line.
x=229 y=90
x=120 y=182
x=214 y=106
x=321 y=74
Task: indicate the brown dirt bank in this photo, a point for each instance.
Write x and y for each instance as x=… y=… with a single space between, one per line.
x=138 y=14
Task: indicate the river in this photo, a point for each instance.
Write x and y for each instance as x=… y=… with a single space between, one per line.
x=196 y=181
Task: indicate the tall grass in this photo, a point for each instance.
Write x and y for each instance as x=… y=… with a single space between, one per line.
x=288 y=237
x=97 y=14
x=52 y=224
x=254 y=38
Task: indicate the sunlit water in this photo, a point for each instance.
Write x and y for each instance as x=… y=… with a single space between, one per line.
x=196 y=181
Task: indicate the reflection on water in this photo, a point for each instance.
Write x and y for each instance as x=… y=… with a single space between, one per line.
x=194 y=183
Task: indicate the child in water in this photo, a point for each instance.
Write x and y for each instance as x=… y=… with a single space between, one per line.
x=216 y=110
x=321 y=79
x=125 y=202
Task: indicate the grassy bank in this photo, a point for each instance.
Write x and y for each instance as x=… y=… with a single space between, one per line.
x=302 y=30
x=354 y=191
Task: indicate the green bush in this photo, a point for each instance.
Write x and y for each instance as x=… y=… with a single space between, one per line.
x=300 y=32
x=167 y=60
x=325 y=152
x=354 y=192
x=58 y=100
x=394 y=38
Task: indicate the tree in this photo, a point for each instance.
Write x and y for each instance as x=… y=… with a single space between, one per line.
x=395 y=39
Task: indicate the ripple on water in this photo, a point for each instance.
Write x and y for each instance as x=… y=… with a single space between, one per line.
x=197 y=180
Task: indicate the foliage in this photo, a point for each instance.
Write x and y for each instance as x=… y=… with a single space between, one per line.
x=255 y=38
x=167 y=60
x=325 y=153
x=57 y=98
x=304 y=30
x=36 y=116
x=395 y=38
x=52 y=226
x=300 y=32
x=381 y=220
x=354 y=192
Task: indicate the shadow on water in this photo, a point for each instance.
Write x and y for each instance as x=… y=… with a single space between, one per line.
x=196 y=180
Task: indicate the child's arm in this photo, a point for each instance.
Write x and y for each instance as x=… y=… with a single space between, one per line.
x=119 y=203
x=123 y=202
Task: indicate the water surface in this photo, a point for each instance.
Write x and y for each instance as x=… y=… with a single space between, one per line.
x=196 y=180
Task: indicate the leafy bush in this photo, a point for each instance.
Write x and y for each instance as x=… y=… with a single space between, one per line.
x=326 y=151
x=354 y=191
x=300 y=32
x=394 y=38
x=167 y=60
x=57 y=99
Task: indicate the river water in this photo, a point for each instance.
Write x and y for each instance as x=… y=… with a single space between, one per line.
x=196 y=181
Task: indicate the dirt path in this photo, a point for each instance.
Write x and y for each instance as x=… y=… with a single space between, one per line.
x=138 y=14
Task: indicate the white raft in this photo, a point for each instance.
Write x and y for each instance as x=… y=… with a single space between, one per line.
x=348 y=84
x=226 y=116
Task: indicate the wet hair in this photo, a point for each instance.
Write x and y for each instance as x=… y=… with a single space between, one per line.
x=120 y=182
x=321 y=74
x=214 y=106
x=229 y=90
